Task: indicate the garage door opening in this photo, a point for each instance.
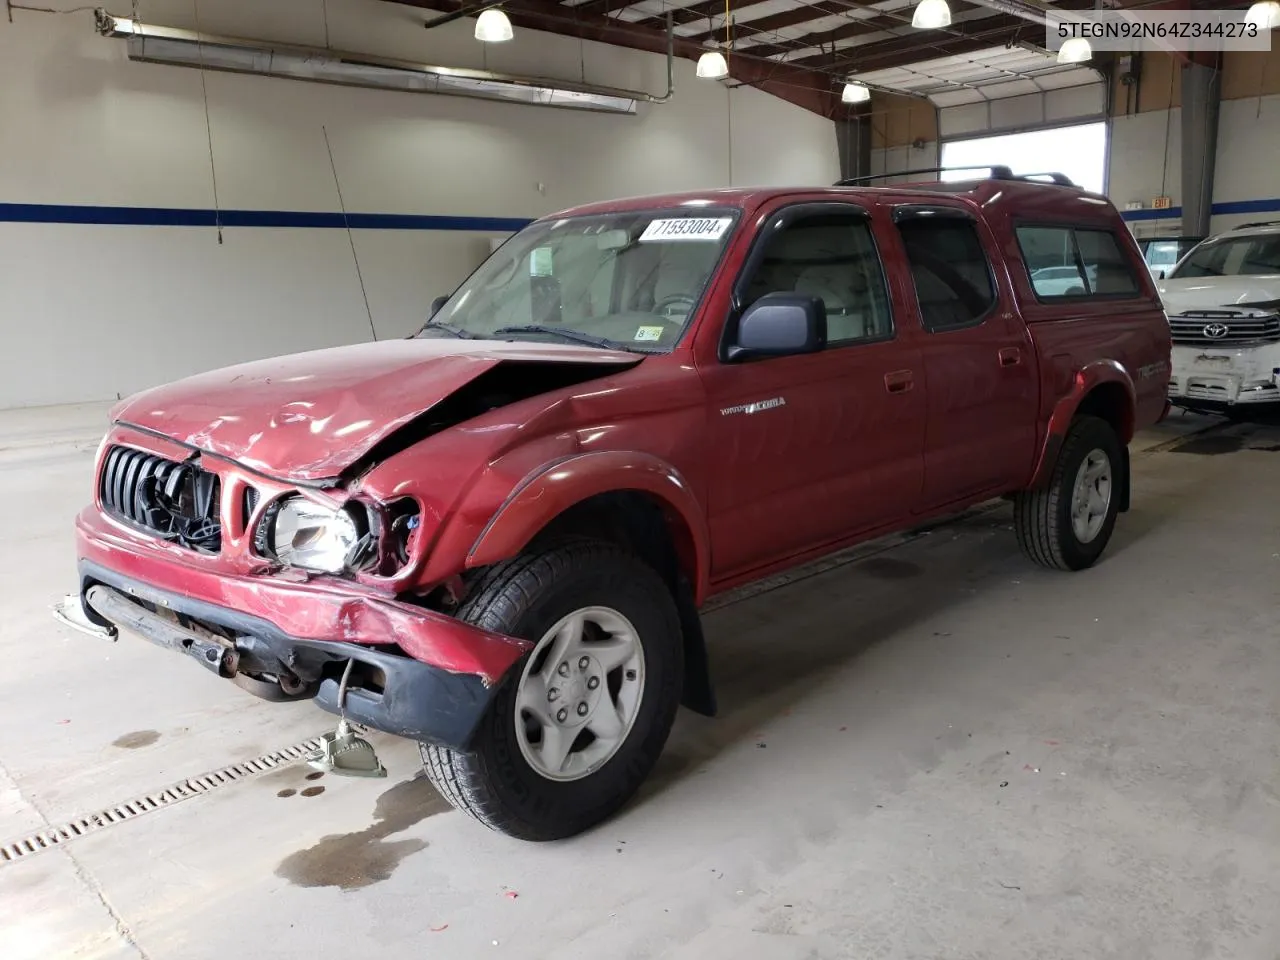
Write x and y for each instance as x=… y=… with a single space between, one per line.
x=1078 y=151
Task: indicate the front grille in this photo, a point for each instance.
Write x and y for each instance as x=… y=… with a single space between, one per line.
x=178 y=501
x=1223 y=328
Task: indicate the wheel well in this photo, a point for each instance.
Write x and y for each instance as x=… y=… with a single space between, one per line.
x=643 y=525
x=636 y=521
x=1110 y=402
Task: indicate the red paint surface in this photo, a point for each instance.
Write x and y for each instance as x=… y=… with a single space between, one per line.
x=309 y=415
x=843 y=460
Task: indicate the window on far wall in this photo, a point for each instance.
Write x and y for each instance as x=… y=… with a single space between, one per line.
x=1076 y=262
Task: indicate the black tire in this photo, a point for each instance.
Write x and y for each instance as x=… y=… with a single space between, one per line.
x=1042 y=518
x=525 y=597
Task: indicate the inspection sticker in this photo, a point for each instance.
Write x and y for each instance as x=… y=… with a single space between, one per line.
x=648 y=333
x=686 y=228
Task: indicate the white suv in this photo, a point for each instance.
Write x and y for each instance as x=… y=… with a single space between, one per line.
x=1223 y=302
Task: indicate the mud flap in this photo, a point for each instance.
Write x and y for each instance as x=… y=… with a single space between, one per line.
x=699 y=695
x=1125 y=476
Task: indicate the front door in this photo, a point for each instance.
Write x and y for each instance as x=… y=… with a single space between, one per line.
x=811 y=449
x=979 y=368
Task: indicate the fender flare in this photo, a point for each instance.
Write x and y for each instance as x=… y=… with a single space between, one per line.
x=1084 y=381
x=552 y=488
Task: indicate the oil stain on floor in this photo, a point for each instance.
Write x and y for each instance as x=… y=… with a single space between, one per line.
x=135 y=740
x=888 y=568
x=1211 y=445
x=354 y=860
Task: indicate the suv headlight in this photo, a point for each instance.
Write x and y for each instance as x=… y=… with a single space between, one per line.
x=307 y=535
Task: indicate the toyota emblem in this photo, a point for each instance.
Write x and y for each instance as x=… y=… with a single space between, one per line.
x=1216 y=331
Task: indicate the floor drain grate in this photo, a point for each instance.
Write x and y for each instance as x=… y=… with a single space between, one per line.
x=130 y=809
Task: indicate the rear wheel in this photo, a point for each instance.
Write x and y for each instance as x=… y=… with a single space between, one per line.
x=579 y=724
x=1068 y=524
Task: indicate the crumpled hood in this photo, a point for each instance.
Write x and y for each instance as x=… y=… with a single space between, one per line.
x=1208 y=293
x=308 y=416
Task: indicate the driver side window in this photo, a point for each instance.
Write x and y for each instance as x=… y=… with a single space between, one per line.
x=832 y=257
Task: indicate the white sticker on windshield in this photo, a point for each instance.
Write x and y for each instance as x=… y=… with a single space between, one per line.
x=648 y=333
x=686 y=228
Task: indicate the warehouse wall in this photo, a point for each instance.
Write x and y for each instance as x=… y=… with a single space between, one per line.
x=1146 y=143
x=904 y=134
x=96 y=310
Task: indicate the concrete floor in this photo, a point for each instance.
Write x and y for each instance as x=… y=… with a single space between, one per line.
x=936 y=750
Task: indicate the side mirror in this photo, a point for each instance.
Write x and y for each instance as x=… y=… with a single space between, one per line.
x=436 y=304
x=1159 y=274
x=780 y=325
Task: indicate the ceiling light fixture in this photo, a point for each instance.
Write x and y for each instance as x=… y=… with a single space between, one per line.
x=931 y=15
x=712 y=65
x=1075 y=50
x=493 y=26
x=855 y=92
x=1265 y=15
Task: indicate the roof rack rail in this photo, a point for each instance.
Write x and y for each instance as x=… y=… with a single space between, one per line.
x=1260 y=223
x=1059 y=178
x=998 y=172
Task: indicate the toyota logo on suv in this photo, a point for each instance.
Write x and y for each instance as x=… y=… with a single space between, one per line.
x=1216 y=331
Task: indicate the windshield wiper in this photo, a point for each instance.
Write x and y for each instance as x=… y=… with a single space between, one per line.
x=570 y=335
x=448 y=328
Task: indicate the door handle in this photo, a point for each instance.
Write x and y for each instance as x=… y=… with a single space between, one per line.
x=899 y=381
x=1009 y=356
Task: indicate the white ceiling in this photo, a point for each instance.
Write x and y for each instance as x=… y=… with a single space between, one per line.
x=983 y=75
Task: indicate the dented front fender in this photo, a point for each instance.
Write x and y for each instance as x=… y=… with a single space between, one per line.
x=552 y=489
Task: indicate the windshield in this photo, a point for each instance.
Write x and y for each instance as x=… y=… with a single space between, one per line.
x=625 y=280
x=1242 y=256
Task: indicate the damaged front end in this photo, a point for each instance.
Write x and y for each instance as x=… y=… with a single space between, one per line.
x=279 y=586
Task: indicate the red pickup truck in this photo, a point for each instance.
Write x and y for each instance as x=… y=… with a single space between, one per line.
x=495 y=536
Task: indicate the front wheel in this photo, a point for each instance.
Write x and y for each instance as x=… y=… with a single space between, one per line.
x=1067 y=525
x=580 y=722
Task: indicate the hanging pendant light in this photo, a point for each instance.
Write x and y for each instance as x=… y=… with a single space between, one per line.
x=855 y=92
x=1075 y=50
x=493 y=26
x=1265 y=15
x=712 y=65
x=931 y=15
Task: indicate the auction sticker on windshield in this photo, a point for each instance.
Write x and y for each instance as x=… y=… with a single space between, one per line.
x=686 y=228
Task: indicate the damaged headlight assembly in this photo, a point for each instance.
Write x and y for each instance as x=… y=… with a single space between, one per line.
x=308 y=535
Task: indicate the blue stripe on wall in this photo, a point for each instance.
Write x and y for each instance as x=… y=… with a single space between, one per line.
x=195 y=217
x=181 y=217
x=1226 y=208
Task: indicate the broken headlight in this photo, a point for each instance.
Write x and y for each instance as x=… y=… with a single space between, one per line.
x=311 y=536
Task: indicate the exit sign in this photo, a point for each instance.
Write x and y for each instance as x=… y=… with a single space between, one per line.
x=1161 y=203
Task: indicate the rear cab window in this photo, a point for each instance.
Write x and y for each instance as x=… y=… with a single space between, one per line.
x=1071 y=262
x=949 y=268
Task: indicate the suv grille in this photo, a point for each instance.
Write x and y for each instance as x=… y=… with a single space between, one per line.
x=178 y=501
x=1222 y=328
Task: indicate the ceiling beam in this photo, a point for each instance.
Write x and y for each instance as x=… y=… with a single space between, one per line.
x=699 y=11
x=794 y=18
x=805 y=87
x=907 y=50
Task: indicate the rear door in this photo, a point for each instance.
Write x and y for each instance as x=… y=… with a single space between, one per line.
x=810 y=449
x=979 y=366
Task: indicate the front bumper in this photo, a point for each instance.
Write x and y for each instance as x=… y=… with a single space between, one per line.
x=1224 y=378
x=417 y=673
